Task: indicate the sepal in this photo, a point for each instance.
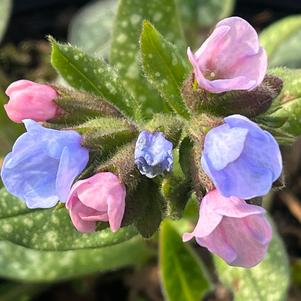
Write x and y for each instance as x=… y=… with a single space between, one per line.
x=247 y=103
x=77 y=106
x=106 y=133
x=170 y=125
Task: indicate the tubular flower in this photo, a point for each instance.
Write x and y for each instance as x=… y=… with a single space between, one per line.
x=230 y=59
x=43 y=164
x=29 y=100
x=241 y=159
x=153 y=154
x=98 y=198
x=232 y=229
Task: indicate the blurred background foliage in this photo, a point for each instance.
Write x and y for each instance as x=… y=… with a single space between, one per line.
x=24 y=53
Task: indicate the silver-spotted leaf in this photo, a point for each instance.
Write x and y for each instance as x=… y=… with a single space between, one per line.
x=91 y=28
x=125 y=45
x=91 y=74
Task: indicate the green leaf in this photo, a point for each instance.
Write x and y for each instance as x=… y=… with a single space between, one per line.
x=199 y=16
x=183 y=276
x=144 y=208
x=49 y=229
x=43 y=245
x=176 y=193
x=281 y=41
x=163 y=67
x=125 y=45
x=268 y=281
x=287 y=106
x=90 y=74
x=91 y=28
x=29 y=265
x=5 y=10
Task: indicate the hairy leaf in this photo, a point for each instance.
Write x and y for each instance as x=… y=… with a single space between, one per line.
x=164 y=67
x=125 y=45
x=90 y=74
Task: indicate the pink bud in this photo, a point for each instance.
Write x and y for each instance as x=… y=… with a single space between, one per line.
x=230 y=59
x=98 y=198
x=232 y=229
x=29 y=100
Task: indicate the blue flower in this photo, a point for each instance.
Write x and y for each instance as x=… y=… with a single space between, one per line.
x=153 y=154
x=43 y=164
x=241 y=159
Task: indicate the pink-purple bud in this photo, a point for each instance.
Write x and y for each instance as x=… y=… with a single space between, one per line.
x=98 y=198
x=232 y=229
x=29 y=100
x=230 y=59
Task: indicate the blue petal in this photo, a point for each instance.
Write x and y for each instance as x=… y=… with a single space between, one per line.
x=72 y=162
x=43 y=164
x=224 y=145
x=153 y=154
x=241 y=179
x=33 y=180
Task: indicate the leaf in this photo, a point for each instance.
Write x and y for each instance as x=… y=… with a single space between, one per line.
x=91 y=28
x=90 y=74
x=183 y=276
x=144 y=208
x=163 y=67
x=50 y=229
x=5 y=10
x=287 y=106
x=176 y=193
x=43 y=245
x=281 y=41
x=199 y=16
x=268 y=281
x=125 y=45
x=29 y=265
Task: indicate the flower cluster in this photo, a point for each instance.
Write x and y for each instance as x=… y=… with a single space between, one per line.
x=48 y=165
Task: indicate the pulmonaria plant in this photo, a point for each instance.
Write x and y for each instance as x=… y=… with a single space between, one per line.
x=111 y=165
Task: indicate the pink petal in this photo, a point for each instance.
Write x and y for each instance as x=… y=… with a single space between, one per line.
x=232 y=55
x=80 y=224
x=29 y=100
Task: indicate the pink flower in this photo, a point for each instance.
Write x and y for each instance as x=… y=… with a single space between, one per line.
x=230 y=59
x=29 y=100
x=232 y=229
x=98 y=198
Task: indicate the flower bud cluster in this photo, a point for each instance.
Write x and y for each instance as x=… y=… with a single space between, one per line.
x=240 y=160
